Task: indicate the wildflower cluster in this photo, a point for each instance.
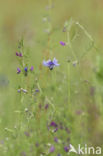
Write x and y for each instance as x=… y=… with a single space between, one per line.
x=41 y=106
x=52 y=127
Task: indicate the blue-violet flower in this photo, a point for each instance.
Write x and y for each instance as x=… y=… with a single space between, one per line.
x=51 y=64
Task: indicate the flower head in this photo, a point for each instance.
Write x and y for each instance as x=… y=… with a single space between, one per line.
x=52 y=149
x=62 y=43
x=51 y=64
x=37 y=90
x=19 y=54
x=18 y=70
x=56 y=139
x=55 y=130
x=32 y=68
x=53 y=124
x=19 y=90
x=66 y=148
x=26 y=69
x=46 y=106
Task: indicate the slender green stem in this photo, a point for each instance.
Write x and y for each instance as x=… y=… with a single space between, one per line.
x=69 y=84
x=69 y=43
x=50 y=26
x=50 y=5
x=85 y=31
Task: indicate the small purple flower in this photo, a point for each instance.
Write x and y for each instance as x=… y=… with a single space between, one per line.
x=46 y=106
x=27 y=134
x=32 y=68
x=51 y=64
x=19 y=90
x=20 y=55
x=58 y=154
x=26 y=69
x=55 y=130
x=18 y=70
x=37 y=90
x=66 y=148
x=62 y=43
x=53 y=124
x=52 y=149
x=56 y=139
x=17 y=54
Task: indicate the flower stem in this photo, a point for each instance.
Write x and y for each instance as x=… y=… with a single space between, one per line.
x=69 y=84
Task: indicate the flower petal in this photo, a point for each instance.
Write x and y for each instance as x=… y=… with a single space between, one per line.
x=45 y=63
x=62 y=43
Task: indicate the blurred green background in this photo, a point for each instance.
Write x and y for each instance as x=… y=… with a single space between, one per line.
x=21 y=18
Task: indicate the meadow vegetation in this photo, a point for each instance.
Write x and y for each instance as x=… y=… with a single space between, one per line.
x=51 y=76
